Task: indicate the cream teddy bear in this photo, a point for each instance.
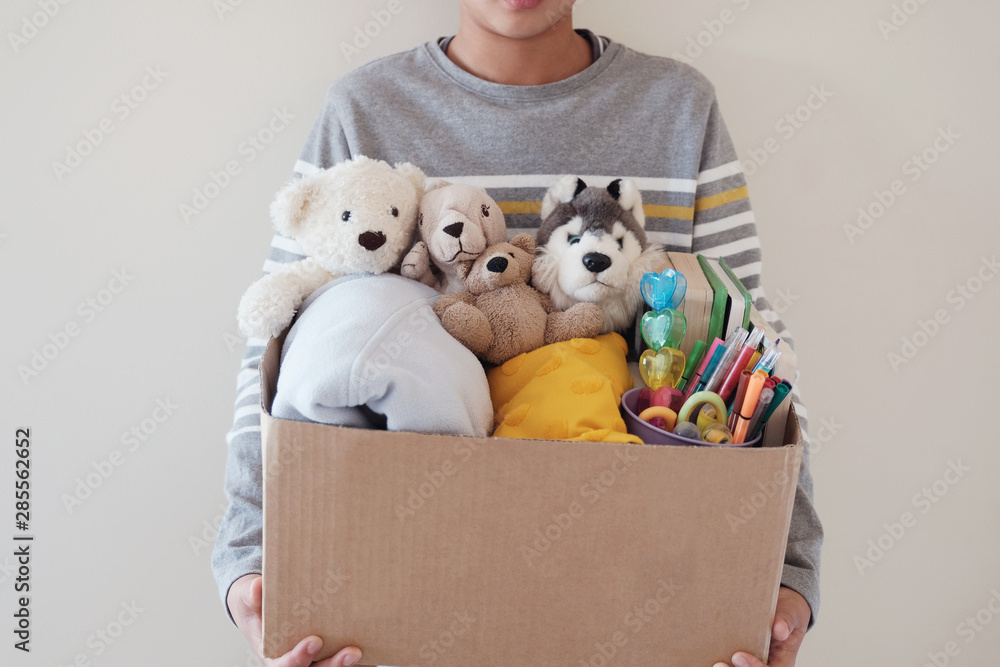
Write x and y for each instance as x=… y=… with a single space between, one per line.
x=358 y=216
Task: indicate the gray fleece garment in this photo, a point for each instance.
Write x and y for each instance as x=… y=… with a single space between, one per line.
x=368 y=351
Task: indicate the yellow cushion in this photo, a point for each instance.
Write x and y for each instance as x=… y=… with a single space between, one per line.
x=564 y=391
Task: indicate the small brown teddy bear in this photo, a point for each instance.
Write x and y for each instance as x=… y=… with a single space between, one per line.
x=500 y=316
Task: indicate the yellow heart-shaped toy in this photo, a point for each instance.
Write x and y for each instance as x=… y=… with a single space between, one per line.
x=662 y=368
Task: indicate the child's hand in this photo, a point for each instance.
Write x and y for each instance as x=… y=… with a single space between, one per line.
x=245 y=601
x=791 y=618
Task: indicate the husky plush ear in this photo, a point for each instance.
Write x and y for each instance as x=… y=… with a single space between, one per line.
x=627 y=193
x=563 y=192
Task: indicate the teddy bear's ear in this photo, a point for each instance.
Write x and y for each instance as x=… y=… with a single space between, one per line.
x=414 y=175
x=292 y=204
x=627 y=193
x=435 y=184
x=525 y=242
x=563 y=192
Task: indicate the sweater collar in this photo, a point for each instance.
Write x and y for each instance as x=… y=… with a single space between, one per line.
x=500 y=91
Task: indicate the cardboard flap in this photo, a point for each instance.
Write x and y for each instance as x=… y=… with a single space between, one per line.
x=268 y=371
x=268 y=375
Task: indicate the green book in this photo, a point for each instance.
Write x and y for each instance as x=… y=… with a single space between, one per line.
x=734 y=307
x=717 y=319
x=747 y=301
x=738 y=301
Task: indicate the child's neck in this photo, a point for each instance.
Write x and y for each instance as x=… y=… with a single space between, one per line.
x=554 y=55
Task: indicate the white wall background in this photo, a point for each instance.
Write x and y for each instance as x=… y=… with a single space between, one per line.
x=881 y=434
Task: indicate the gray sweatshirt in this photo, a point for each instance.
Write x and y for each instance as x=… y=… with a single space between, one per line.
x=649 y=118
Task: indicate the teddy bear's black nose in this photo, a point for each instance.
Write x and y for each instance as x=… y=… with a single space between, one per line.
x=596 y=262
x=454 y=229
x=497 y=265
x=372 y=240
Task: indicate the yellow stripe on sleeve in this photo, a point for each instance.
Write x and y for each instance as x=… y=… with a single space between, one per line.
x=662 y=211
x=520 y=207
x=720 y=199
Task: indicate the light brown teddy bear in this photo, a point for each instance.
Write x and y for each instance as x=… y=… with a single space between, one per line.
x=500 y=316
x=456 y=222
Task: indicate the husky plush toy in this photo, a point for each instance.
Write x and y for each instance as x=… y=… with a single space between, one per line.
x=592 y=248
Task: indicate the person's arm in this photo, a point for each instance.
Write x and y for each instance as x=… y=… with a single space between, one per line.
x=238 y=547
x=238 y=552
x=724 y=226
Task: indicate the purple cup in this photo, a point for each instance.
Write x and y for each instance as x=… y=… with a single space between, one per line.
x=654 y=436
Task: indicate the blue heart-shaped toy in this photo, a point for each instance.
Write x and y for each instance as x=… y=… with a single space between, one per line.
x=663 y=290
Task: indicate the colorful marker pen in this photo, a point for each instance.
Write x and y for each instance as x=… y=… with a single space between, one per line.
x=754 y=386
x=693 y=361
x=766 y=395
x=712 y=357
x=769 y=358
x=733 y=375
x=713 y=363
x=741 y=392
x=733 y=346
x=780 y=392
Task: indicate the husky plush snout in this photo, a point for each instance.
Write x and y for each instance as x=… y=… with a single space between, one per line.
x=592 y=248
x=596 y=262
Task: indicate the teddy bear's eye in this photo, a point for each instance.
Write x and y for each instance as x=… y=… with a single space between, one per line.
x=395 y=212
x=621 y=242
x=574 y=239
x=486 y=211
x=346 y=216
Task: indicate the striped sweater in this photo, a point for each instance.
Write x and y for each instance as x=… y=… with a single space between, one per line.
x=652 y=119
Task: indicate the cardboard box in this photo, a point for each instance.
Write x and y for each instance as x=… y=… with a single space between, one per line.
x=436 y=550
